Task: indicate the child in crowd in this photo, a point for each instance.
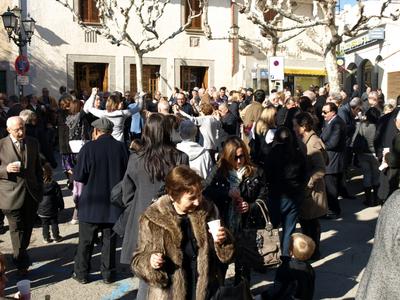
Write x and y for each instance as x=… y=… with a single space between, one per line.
x=295 y=277
x=50 y=205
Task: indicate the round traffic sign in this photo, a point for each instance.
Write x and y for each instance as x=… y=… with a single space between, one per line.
x=21 y=65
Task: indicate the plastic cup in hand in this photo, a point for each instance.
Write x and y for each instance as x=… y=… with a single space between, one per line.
x=214 y=227
x=17 y=164
x=24 y=288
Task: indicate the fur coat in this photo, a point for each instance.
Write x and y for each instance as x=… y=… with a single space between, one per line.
x=159 y=231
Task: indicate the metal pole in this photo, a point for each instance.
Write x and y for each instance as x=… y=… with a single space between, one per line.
x=20 y=86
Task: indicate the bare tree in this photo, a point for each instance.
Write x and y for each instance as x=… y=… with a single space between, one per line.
x=136 y=24
x=322 y=26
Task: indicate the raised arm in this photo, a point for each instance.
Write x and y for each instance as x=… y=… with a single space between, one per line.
x=88 y=107
x=133 y=108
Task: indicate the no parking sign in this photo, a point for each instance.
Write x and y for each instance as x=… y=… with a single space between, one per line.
x=276 y=69
x=21 y=65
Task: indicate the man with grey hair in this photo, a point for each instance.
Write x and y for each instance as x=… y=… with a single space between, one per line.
x=21 y=188
x=164 y=107
x=199 y=158
x=311 y=95
x=335 y=98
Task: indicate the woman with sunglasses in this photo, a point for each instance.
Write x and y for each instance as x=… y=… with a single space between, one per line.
x=234 y=185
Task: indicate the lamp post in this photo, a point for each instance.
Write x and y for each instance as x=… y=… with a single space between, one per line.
x=20 y=30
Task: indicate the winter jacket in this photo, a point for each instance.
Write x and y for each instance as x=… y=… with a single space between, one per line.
x=315 y=203
x=52 y=200
x=199 y=158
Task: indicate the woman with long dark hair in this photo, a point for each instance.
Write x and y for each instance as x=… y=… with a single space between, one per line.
x=285 y=169
x=145 y=176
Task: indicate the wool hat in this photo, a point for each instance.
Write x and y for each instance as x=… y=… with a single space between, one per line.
x=103 y=124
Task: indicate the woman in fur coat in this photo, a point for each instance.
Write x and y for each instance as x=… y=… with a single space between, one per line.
x=176 y=254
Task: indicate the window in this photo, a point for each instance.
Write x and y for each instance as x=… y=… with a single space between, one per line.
x=194 y=5
x=269 y=15
x=88 y=11
x=192 y=76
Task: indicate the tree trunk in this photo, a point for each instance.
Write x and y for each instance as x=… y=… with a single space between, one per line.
x=332 y=70
x=139 y=71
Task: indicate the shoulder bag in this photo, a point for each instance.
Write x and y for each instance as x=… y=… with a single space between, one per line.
x=260 y=248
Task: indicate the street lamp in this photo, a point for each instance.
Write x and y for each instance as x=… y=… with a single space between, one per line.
x=19 y=30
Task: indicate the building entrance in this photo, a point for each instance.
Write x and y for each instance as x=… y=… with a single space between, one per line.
x=89 y=75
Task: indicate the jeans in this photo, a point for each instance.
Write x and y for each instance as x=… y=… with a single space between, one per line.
x=285 y=211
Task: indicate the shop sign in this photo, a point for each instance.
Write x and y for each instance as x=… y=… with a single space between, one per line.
x=377 y=34
x=373 y=36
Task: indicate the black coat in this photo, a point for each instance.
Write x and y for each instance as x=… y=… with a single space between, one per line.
x=138 y=192
x=52 y=200
x=230 y=124
x=251 y=188
x=285 y=171
x=386 y=130
x=101 y=165
x=334 y=137
x=345 y=113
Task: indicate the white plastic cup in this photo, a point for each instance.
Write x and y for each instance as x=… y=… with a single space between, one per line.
x=17 y=164
x=214 y=227
x=24 y=287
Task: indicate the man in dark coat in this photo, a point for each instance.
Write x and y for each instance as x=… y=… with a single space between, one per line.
x=101 y=165
x=386 y=130
x=21 y=187
x=334 y=136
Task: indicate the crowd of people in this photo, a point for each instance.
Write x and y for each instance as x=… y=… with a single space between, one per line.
x=155 y=170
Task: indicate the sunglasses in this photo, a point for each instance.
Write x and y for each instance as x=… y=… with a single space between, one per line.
x=241 y=156
x=325 y=112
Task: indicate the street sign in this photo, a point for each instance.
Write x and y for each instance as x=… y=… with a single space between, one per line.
x=22 y=80
x=276 y=68
x=376 y=34
x=21 y=65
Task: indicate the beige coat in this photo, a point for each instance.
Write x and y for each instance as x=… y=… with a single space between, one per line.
x=159 y=231
x=315 y=202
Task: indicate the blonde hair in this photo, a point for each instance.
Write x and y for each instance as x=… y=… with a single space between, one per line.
x=266 y=120
x=301 y=246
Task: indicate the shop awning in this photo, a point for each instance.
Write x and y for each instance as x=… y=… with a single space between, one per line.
x=297 y=71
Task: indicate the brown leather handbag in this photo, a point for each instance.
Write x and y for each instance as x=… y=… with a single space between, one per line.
x=259 y=248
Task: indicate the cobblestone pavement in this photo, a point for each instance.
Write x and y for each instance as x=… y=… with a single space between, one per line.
x=346 y=245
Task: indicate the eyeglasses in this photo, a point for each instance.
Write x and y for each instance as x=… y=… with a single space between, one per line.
x=241 y=156
x=325 y=112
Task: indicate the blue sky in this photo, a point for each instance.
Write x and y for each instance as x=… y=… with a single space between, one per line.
x=344 y=2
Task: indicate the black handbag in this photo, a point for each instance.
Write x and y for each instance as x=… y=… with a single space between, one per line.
x=240 y=291
x=259 y=248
